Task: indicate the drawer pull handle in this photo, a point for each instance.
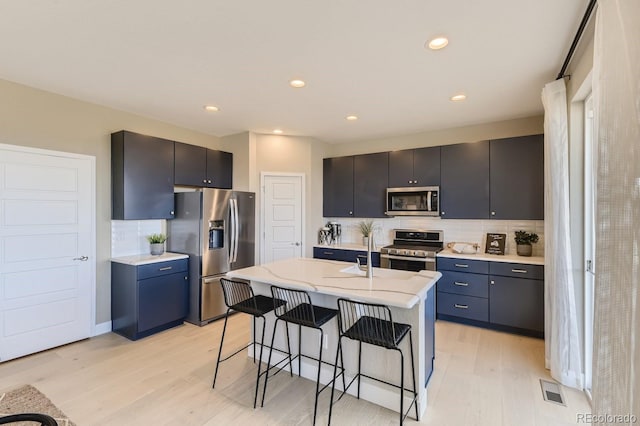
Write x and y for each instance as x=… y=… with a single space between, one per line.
x=461 y=265
x=520 y=271
x=166 y=268
x=328 y=252
x=362 y=256
x=461 y=306
x=461 y=284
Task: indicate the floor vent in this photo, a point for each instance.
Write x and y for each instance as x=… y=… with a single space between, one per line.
x=552 y=392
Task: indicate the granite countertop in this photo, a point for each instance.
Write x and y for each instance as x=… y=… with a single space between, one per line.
x=347 y=246
x=508 y=258
x=145 y=259
x=391 y=287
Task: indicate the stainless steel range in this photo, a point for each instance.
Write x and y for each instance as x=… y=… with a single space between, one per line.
x=412 y=250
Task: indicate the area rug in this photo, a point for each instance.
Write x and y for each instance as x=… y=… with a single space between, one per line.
x=28 y=399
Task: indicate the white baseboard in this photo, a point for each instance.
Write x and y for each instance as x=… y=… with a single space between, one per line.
x=102 y=328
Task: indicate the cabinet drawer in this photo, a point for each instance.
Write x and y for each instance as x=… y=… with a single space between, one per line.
x=463 y=283
x=518 y=270
x=328 y=253
x=463 y=265
x=475 y=308
x=162 y=268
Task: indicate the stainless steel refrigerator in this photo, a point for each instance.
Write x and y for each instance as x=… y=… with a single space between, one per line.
x=216 y=228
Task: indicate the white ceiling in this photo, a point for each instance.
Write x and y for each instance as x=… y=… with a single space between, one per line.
x=167 y=59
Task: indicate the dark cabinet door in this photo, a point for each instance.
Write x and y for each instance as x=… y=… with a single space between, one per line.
x=190 y=165
x=517 y=178
x=516 y=302
x=414 y=167
x=401 y=168
x=337 y=189
x=370 y=182
x=219 y=169
x=464 y=185
x=141 y=177
x=162 y=300
x=426 y=166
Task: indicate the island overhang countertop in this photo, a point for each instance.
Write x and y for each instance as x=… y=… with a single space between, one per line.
x=402 y=289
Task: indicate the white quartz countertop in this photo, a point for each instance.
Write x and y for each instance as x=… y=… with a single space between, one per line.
x=145 y=259
x=508 y=258
x=346 y=246
x=391 y=287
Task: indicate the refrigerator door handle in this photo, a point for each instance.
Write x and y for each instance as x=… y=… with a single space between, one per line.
x=233 y=255
x=232 y=224
x=237 y=230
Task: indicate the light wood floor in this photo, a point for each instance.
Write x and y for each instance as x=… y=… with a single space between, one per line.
x=481 y=377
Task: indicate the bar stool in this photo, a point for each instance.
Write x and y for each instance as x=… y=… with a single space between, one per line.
x=372 y=323
x=299 y=310
x=238 y=296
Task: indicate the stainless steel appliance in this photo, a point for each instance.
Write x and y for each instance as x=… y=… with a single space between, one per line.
x=216 y=228
x=418 y=201
x=412 y=250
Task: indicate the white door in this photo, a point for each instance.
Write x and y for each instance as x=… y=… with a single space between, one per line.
x=282 y=201
x=47 y=249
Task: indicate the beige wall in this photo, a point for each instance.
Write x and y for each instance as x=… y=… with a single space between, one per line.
x=296 y=154
x=497 y=130
x=35 y=118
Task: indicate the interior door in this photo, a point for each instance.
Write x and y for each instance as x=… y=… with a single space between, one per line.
x=282 y=226
x=47 y=249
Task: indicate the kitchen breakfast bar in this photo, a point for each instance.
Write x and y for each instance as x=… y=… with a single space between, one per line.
x=409 y=295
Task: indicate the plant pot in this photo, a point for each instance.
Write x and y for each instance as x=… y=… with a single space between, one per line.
x=524 y=249
x=157 y=249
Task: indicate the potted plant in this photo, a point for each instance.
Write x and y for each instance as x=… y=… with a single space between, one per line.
x=157 y=243
x=366 y=229
x=524 y=240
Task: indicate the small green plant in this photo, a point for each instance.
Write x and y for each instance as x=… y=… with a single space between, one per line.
x=366 y=227
x=156 y=238
x=526 y=238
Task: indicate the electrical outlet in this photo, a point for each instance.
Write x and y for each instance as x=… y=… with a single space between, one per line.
x=325 y=344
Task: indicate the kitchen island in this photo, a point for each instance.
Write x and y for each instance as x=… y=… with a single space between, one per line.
x=410 y=296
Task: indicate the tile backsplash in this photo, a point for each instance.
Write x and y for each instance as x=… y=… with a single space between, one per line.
x=458 y=230
x=129 y=237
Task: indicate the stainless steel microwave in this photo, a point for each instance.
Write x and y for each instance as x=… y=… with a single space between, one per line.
x=413 y=201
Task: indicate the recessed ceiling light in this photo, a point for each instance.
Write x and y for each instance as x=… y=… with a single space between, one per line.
x=278 y=131
x=351 y=117
x=211 y=108
x=297 y=83
x=438 y=43
x=458 y=98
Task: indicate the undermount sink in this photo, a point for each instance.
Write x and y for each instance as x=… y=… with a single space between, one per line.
x=354 y=270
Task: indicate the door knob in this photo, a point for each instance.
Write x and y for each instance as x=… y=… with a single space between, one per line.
x=81 y=258
x=295 y=244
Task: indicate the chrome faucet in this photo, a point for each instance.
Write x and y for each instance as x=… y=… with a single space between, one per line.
x=368 y=268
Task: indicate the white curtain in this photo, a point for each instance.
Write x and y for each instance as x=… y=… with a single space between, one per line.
x=562 y=345
x=616 y=93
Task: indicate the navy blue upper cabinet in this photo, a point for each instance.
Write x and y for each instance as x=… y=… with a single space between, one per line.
x=337 y=182
x=517 y=178
x=203 y=167
x=370 y=182
x=414 y=167
x=141 y=177
x=464 y=181
x=190 y=165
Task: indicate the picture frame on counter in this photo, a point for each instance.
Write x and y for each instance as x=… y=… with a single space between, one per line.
x=495 y=243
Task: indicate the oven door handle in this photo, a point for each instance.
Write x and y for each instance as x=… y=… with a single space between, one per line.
x=414 y=259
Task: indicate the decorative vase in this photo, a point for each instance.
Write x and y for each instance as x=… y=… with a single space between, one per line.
x=365 y=241
x=157 y=249
x=524 y=249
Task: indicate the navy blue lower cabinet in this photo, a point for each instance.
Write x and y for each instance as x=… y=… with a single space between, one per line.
x=345 y=255
x=429 y=334
x=148 y=298
x=499 y=295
